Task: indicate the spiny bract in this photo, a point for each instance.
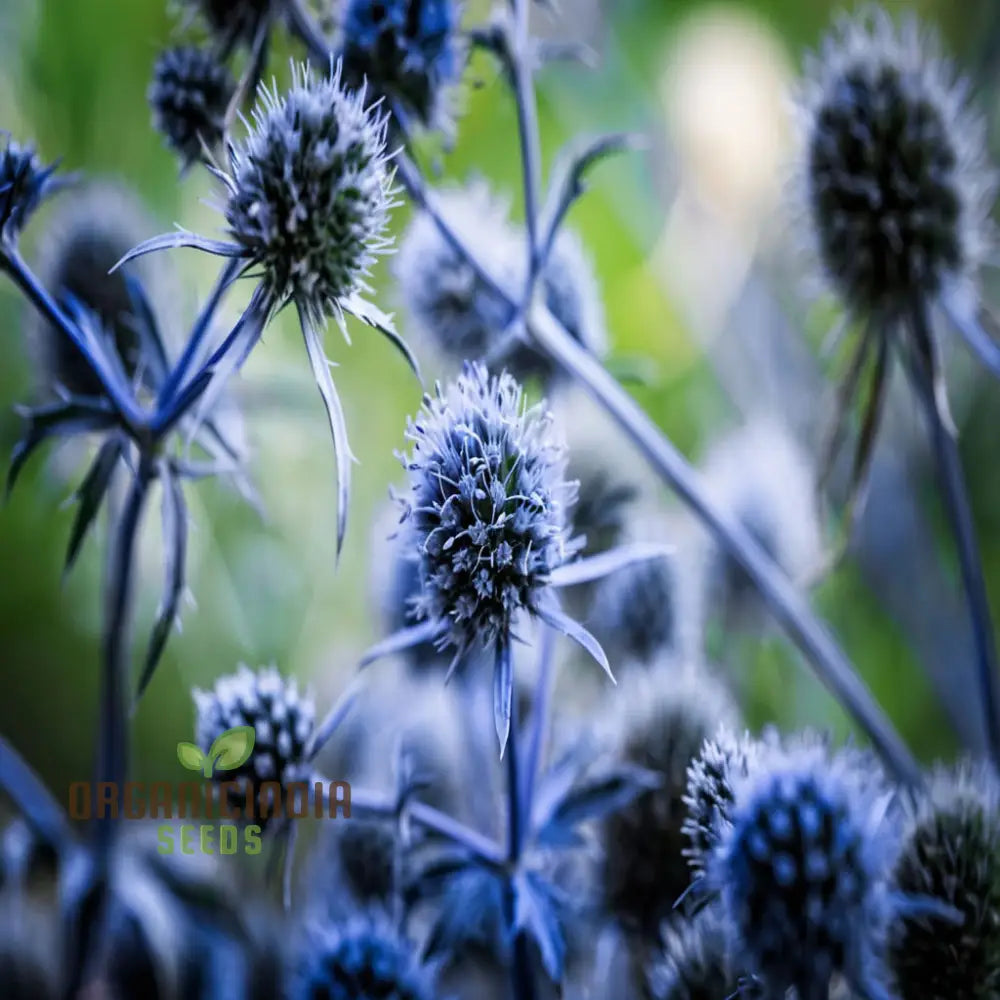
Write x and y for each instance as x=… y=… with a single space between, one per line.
x=24 y=183
x=189 y=97
x=310 y=193
x=802 y=872
x=362 y=959
x=894 y=168
x=282 y=718
x=951 y=853
x=408 y=51
x=486 y=507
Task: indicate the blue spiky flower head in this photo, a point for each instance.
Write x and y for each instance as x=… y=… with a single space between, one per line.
x=310 y=193
x=409 y=51
x=803 y=872
x=189 y=97
x=951 y=854
x=24 y=183
x=486 y=507
x=894 y=170
x=283 y=720
x=360 y=959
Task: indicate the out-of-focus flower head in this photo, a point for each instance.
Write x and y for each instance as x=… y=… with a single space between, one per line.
x=408 y=52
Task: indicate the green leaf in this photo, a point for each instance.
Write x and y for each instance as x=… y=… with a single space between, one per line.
x=190 y=756
x=232 y=748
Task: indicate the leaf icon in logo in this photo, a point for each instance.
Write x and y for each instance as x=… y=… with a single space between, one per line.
x=190 y=756
x=231 y=749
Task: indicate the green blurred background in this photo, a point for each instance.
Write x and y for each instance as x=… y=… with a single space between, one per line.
x=73 y=76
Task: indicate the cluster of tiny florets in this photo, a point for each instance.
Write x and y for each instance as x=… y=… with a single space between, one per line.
x=311 y=193
x=24 y=182
x=364 y=959
x=409 y=52
x=695 y=963
x=465 y=318
x=486 y=506
x=663 y=720
x=189 y=97
x=951 y=856
x=281 y=716
x=894 y=169
x=724 y=761
x=803 y=874
x=89 y=231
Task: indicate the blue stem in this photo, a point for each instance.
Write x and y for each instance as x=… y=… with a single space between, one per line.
x=959 y=512
x=201 y=327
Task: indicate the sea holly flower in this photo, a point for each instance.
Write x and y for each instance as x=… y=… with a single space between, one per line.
x=486 y=513
x=189 y=97
x=308 y=196
x=409 y=52
x=950 y=854
x=802 y=872
x=24 y=183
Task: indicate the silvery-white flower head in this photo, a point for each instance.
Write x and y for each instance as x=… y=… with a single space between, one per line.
x=802 y=873
x=951 y=854
x=464 y=318
x=894 y=170
x=189 y=98
x=88 y=232
x=409 y=52
x=362 y=958
x=24 y=183
x=281 y=716
x=662 y=718
x=310 y=192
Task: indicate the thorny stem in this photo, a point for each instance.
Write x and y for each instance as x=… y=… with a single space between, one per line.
x=960 y=515
x=787 y=605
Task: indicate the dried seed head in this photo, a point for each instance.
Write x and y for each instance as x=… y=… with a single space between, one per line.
x=362 y=959
x=664 y=718
x=311 y=193
x=460 y=314
x=281 y=717
x=951 y=854
x=486 y=507
x=894 y=168
x=189 y=96
x=89 y=231
x=802 y=872
x=409 y=52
